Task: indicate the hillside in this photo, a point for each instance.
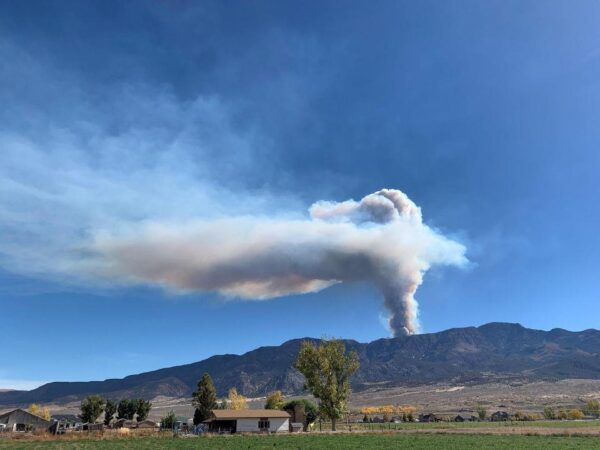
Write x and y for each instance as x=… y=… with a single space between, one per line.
x=491 y=352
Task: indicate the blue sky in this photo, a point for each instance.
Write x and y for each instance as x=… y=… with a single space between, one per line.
x=116 y=113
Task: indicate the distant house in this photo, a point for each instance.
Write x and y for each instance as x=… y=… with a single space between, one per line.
x=500 y=416
x=124 y=423
x=428 y=418
x=465 y=418
x=249 y=420
x=21 y=420
x=146 y=424
x=65 y=423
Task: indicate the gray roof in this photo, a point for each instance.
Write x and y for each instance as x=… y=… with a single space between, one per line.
x=231 y=414
x=21 y=416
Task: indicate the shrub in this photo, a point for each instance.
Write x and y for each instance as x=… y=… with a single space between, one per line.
x=593 y=408
x=575 y=414
x=549 y=413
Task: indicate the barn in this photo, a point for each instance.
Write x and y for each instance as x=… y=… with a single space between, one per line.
x=21 y=420
x=249 y=421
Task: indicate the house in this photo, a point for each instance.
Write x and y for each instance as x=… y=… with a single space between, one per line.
x=92 y=426
x=65 y=423
x=124 y=423
x=465 y=418
x=21 y=420
x=499 y=416
x=428 y=418
x=146 y=424
x=249 y=420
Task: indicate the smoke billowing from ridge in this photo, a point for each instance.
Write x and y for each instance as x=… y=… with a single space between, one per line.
x=381 y=239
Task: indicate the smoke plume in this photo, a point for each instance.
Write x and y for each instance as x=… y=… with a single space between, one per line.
x=380 y=239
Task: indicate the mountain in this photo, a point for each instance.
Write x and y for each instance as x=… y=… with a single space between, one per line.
x=491 y=352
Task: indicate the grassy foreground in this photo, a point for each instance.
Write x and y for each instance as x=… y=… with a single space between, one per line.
x=321 y=441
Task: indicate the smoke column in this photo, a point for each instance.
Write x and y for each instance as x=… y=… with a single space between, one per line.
x=380 y=239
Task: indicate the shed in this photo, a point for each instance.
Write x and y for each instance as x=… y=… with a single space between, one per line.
x=124 y=423
x=147 y=424
x=428 y=418
x=249 y=420
x=465 y=418
x=21 y=420
x=499 y=416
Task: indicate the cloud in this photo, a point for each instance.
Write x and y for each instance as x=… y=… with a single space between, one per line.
x=140 y=185
x=381 y=239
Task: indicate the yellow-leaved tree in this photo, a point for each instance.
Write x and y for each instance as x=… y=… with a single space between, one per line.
x=36 y=410
x=237 y=401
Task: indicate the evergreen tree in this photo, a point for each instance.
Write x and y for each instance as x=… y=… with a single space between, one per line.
x=204 y=399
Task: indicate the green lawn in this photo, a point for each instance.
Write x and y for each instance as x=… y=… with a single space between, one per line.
x=340 y=441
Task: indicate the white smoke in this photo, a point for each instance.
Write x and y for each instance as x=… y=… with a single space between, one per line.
x=381 y=239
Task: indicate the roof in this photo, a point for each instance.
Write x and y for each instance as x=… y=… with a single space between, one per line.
x=66 y=418
x=20 y=414
x=229 y=414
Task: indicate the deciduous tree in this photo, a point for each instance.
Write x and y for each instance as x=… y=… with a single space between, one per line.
x=142 y=409
x=109 y=411
x=311 y=411
x=327 y=370
x=593 y=408
x=481 y=412
x=91 y=408
x=126 y=409
x=549 y=413
x=237 y=401
x=168 y=421
x=274 y=400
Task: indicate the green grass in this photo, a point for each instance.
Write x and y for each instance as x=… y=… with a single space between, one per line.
x=462 y=425
x=322 y=441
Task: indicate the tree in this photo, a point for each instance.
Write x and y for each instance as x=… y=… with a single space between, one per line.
x=142 y=409
x=327 y=370
x=274 y=400
x=237 y=401
x=91 y=408
x=37 y=410
x=204 y=399
x=45 y=413
x=168 y=422
x=549 y=413
x=481 y=412
x=109 y=411
x=311 y=411
x=34 y=409
x=126 y=409
x=575 y=414
x=592 y=408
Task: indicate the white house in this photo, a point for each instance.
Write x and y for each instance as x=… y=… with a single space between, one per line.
x=249 y=421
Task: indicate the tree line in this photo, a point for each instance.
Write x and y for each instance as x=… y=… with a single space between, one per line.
x=93 y=406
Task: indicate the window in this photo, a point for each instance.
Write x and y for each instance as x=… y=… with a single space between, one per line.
x=264 y=424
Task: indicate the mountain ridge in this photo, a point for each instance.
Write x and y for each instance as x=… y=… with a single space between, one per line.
x=494 y=351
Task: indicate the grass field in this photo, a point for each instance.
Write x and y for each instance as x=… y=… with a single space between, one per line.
x=416 y=441
x=464 y=425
